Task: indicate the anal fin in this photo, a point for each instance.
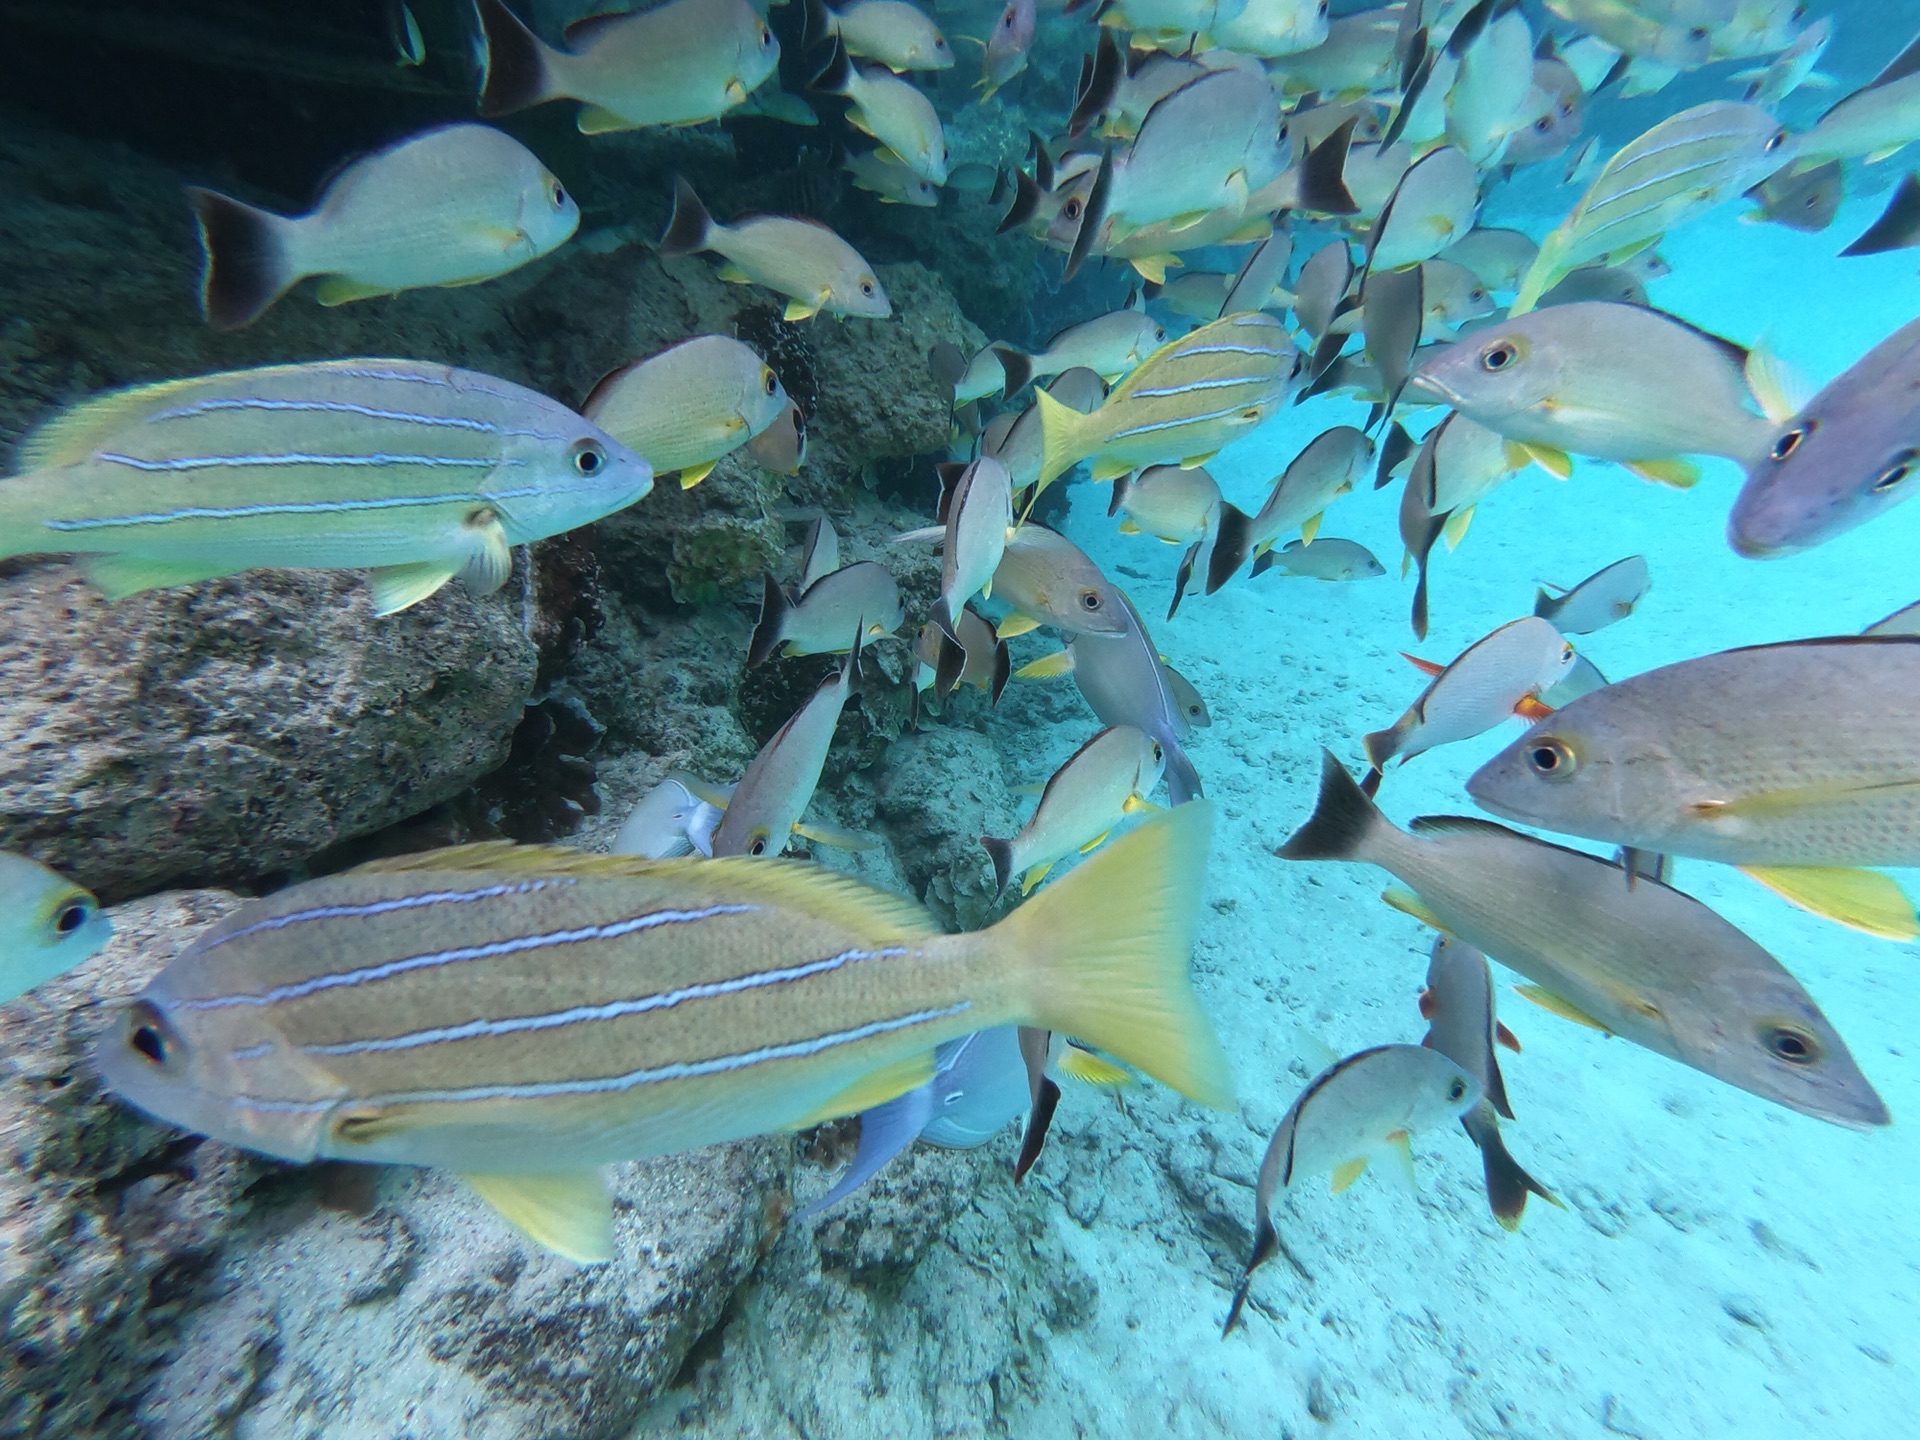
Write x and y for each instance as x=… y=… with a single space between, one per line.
x=118 y=576
x=569 y=1212
x=400 y=587
x=876 y=1088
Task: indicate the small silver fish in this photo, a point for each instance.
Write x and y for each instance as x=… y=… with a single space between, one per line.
x=1103 y=782
x=1004 y=53
x=766 y=806
x=799 y=258
x=449 y=206
x=1329 y=467
x=1327 y=558
x=1604 y=597
x=670 y=820
x=900 y=36
x=858 y=601
x=1049 y=580
x=894 y=183
x=690 y=405
x=977 y=513
x=891 y=110
x=1434 y=205
x=1874 y=121
x=1168 y=502
x=1804 y=199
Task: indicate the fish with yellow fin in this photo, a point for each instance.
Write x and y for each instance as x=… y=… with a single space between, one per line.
x=1103 y=782
x=801 y=259
x=690 y=405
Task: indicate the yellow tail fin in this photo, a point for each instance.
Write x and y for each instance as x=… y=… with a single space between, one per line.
x=1105 y=952
x=1059 y=437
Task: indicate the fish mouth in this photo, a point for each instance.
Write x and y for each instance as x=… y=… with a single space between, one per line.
x=1420 y=380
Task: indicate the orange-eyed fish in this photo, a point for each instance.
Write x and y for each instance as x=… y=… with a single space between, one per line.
x=449 y=206
x=1642 y=961
x=413 y=471
x=526 y=1015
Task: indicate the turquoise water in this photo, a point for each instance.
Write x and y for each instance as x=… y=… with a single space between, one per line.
x=1720 y=1266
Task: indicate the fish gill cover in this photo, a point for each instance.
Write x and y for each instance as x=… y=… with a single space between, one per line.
x=1149 y=480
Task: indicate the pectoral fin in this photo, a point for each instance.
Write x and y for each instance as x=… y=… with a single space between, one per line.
x=1137 y=805
x=1530 y=707
x=1047 y=667
x=1016 y=624
x=1674 y=472
x=598 y=120
x=1455 y=530
x=1090 y=1069
x=888 y=1083
x=1311 y=528
x=694 y=474
x=1127 y=527
x=798 y=310
x=569 y=1212
x=399 y=587
x=490 y=558
x=340 y=290
x=1864 y=900
x=1554 y=1005
x=1556 y=463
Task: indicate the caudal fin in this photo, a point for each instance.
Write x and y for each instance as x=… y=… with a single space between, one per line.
x=687 y=230
x=1059 y=437
x=246 y=268
x=1341 y=819
x=1507 y=1184
x=1104 y=952
x=1001 y=853
x=774 y=606
x=1232 y=539
x=516 y=62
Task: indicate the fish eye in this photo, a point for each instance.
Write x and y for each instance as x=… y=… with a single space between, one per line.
x=866 y=288
x=759 y=845
x=1544 y=124
x=1476 y=295
x=1071 y=209
x=71 y=916
x=1550 y=759
x=1699 y=32
x=1566 y=652
x=150 y=1035
x=1897 y=470
x=1775 y=141
x=1499 y=356
x=1090 y=600
x=769 y=381
x=558 y=195
x=1456 y=1089
x=766 y=37
x=1791 y=1044
x=589 y=458
x=1789 y=441
x=1006 y=20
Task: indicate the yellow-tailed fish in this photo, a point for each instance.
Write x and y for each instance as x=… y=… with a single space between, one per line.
x=802 y=259
x=1169 y=502
x=1353 y=60
x=1608 y=595
x=894 y=33
x=524 y=1016
x=1615 y=382
x=860 y=600
x=891 y=110
x=1110 y=345
x=1787 y=760
x=670 y=820
x=1462 y=1025
x=1677 y=170
x=1016 y=440
x=1848 y=455
x=893 y=182
x=1433 y=205
x=821 y=555
x=413 y=471
x=451 y=206
x=1106 y=780
x=1048 y=580
x=689 y=405
x=1185 y=401
x=1641 y=961
x=681 y=63
x=782 y=446
x=1486 y=683
x=1329 y=467
x=978 y=658
x=1358 y=1109
x=765 y=807
x=50 y=925
x=1874 y=122
x=1640 y=31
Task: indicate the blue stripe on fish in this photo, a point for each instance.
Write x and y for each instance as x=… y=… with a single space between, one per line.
x=1184 y=420
x=632 y=1079
x=343 y=407
x=612 y=1010
x=387 y=969
x=293 y=507
x=387 y=907
x=1233 y=350
x=1202 y=385
x=378 y=457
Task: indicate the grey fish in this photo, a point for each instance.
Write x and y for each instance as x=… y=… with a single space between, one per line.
x=1904 y=621
x=767 y=804
x=48 y=925
x=977 y=513
x=524 y=1015
x=1101 y=783
x=1848 y=456
x=1433 y=205
x=1191 y=704
x=1898 y=227
x=1607 y=595
x=670 y=820
x=1461 y=1024
x=1327 y=558
x=1879 y=118
x=857 y=602
x=978 y=658
x=1324 y=282
x=1047 y=578
x=799 y=258
x=1643 y=962
x=1328 y=467
x=413 y=471
x=450 y=206
x=1805 y=200
x=782 y=446
x=1361 y=1107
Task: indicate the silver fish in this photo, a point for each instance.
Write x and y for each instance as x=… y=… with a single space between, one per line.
x=767 y=804
x=1485 y=684
x=1124 y=682
x=1326 y=469
x=1048 y=579
x=689 y=405
x=1327 y=558
x=977 y=513
x=49 y=925
x=858 y=601
x=670 y=820
x=1608 y=595
x=799 y=258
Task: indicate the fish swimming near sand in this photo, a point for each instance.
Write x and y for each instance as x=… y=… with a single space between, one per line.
x=1326 y=469
x=1605 y=597
x=1642 y=961
x=688 y=406
x=1786 y=760
x=525 y=1015
x=450 y=206
x=412 y=471
x=681 y=63
x=1362 y=1107
x=1168 y=502
x=1103 y=782
x=1327 y=558
x=49 y=925
x=801 y=259
x=1458 y=1007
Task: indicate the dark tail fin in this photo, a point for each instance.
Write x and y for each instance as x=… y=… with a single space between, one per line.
x=1002 y=671
x=1232 y=538
x=835 y=74
x=1038 y=1123
x=1121 y=485
x=687 y=230
x=948 y=669
x=1001 y=853
x=1182 y=576
x=774 y=606
x=1381 y=746
x=1093 y=218
x=1507 y=1184
x=246 y=262
x=1183 y=781
x=1419 y=617
x=1544 y=604
x=1396 y=447
x=1018 y=366
x=1323 y=185
x=1026 y=200
x=1266 y=1241
x=946 y=364
x=1100 y=83
x=1340 y=821
x=818 y=24
x=516 y=63
x=942 y=615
